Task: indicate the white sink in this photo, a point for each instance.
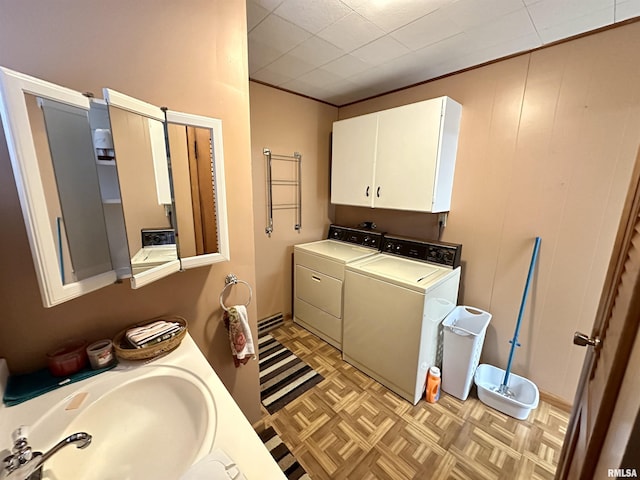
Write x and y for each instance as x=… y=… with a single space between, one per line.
x=157 y=420
x=151 y=426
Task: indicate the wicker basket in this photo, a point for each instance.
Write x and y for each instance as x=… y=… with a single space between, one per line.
x=126 y=351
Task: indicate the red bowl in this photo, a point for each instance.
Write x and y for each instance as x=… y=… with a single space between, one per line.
x=68 y=358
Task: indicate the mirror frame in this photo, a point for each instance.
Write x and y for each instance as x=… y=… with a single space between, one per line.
x=133 y=105
x=22 y=151
x=214 y=125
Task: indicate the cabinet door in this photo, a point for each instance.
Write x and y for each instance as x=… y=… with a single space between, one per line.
x=197 y=165
x=353 y=160
x=407 y=155
x=143 y=175
x=54 y=164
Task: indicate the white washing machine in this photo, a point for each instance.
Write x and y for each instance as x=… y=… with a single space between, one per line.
x=394 y=304
x=319 y=275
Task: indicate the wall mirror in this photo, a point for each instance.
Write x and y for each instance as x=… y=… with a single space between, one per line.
x=138 y=136
x=197 y=167
x=49 y=141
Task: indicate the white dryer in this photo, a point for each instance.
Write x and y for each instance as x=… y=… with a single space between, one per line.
x=394 y=304
x=319 y=275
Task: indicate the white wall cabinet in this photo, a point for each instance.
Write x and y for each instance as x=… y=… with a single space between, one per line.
x=402 y=158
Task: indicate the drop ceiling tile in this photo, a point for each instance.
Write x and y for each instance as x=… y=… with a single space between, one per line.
x=269 y=5
x=503 y=29
x=444 y=50
x=576 y=26
x=340 y=99
x=316 y=51
x=392 y=15
x=449 y=66
x=291 y=66
x=278 y=33
x=355 y=3
x=351 y=31
x=429 y=29
x=470 y=13
x=404 y=71
x=319 y=78
x=549 y=13
x=346 y=66
x=380 y=51
x=297 y=85
x=516 y=45
x=627 y=9
x=340 y=87
x=255 y=14
x=270 y=76
x=312 y=15
x=260 y=55
x=376 y=78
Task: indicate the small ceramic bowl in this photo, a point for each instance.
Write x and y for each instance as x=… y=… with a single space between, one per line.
x=67 y=359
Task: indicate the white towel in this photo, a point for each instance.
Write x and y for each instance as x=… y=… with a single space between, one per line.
x=240 y=337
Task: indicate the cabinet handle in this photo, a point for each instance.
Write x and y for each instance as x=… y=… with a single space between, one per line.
x=378 y=192
x=367 y=192
x=317 y=279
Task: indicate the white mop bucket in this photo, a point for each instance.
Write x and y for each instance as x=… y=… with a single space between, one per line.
x=511 y=394
x=525 y=392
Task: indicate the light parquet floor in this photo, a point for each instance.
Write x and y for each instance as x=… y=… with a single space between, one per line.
x=351 y=427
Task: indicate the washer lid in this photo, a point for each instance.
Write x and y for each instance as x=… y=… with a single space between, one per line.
x=403 y=271
x=337 y=251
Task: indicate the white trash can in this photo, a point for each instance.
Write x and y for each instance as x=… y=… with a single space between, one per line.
x=464 y=330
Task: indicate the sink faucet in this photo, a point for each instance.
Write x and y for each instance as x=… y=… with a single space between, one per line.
x=24 y=464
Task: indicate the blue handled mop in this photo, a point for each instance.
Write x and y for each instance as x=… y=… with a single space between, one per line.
x=503 y=389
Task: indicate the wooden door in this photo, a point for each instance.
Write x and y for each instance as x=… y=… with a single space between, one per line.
x=613 y=335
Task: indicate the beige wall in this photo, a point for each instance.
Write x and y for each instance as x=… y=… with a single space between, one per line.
x=190 y=56
x=547 y=144
x=287 y=123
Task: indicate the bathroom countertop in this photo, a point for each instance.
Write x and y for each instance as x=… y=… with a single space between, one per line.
x=234 y=434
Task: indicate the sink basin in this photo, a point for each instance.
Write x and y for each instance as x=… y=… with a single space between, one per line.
x=163 y=419
x=151 y=426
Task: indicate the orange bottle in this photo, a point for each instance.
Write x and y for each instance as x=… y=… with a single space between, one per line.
x=432 y=393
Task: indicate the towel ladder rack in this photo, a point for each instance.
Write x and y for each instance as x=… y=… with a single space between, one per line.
x=285 y=182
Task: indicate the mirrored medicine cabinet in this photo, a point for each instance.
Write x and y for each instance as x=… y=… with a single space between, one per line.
x=112 y=188
x=197 y=166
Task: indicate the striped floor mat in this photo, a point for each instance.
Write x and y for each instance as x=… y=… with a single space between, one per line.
x=283 y=376
x=281 y=454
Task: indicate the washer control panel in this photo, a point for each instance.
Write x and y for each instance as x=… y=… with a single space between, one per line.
x=365 y=238
x=442 y=253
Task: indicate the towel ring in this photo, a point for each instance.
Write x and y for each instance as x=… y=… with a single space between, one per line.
x=229 y=281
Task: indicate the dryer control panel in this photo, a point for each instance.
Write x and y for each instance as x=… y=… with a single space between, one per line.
x=442 y=253
x=365 y=238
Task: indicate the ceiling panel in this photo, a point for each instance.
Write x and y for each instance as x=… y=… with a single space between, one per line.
x=380 y=51
x=342 y=51
x=312 y=15
x=351 y=31
x=627 y=9
x=431 y=28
